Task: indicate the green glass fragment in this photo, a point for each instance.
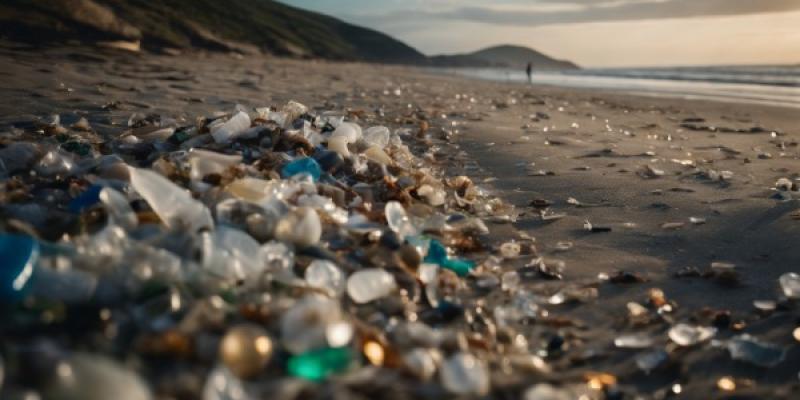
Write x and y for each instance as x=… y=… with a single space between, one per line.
x=316 y=365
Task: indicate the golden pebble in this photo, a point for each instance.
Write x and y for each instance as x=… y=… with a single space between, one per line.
x=374 y=352
x=600 y=380
x=657 y=297
x=726 y=383
x=246 y=350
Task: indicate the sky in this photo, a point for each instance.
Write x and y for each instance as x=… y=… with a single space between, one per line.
x=592 y=33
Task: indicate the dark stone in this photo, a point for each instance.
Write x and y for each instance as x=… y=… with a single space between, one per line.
x=391 y=240
x=330 y=161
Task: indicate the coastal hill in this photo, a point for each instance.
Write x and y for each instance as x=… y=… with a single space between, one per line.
x=244 y=26
x=238 y=25
x=503 y=56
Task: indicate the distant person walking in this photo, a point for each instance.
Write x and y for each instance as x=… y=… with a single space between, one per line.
x=529 y=71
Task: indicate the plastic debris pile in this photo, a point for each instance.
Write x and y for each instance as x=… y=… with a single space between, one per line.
x=253 y=248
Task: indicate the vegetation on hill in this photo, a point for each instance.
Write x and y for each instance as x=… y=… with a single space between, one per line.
x=216 y=25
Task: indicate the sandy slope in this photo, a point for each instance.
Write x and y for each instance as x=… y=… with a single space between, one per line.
x=595 y=146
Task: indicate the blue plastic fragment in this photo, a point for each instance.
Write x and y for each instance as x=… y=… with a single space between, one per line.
x=437 y=254
x=18 y=257
x=305 y=165
x=87 y=199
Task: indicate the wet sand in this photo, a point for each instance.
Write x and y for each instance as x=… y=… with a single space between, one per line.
x=588 y=145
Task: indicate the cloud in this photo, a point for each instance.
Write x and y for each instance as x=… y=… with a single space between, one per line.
x=547 y=12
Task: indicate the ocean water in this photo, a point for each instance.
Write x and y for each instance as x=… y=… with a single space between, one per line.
x=770 y=85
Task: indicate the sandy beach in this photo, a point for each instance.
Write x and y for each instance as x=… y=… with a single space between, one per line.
x=670 y=186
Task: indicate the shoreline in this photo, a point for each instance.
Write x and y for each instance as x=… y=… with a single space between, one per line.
x=785 y=96
x=640 y=166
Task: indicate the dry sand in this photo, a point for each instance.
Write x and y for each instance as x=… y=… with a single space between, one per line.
x=594 y=144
